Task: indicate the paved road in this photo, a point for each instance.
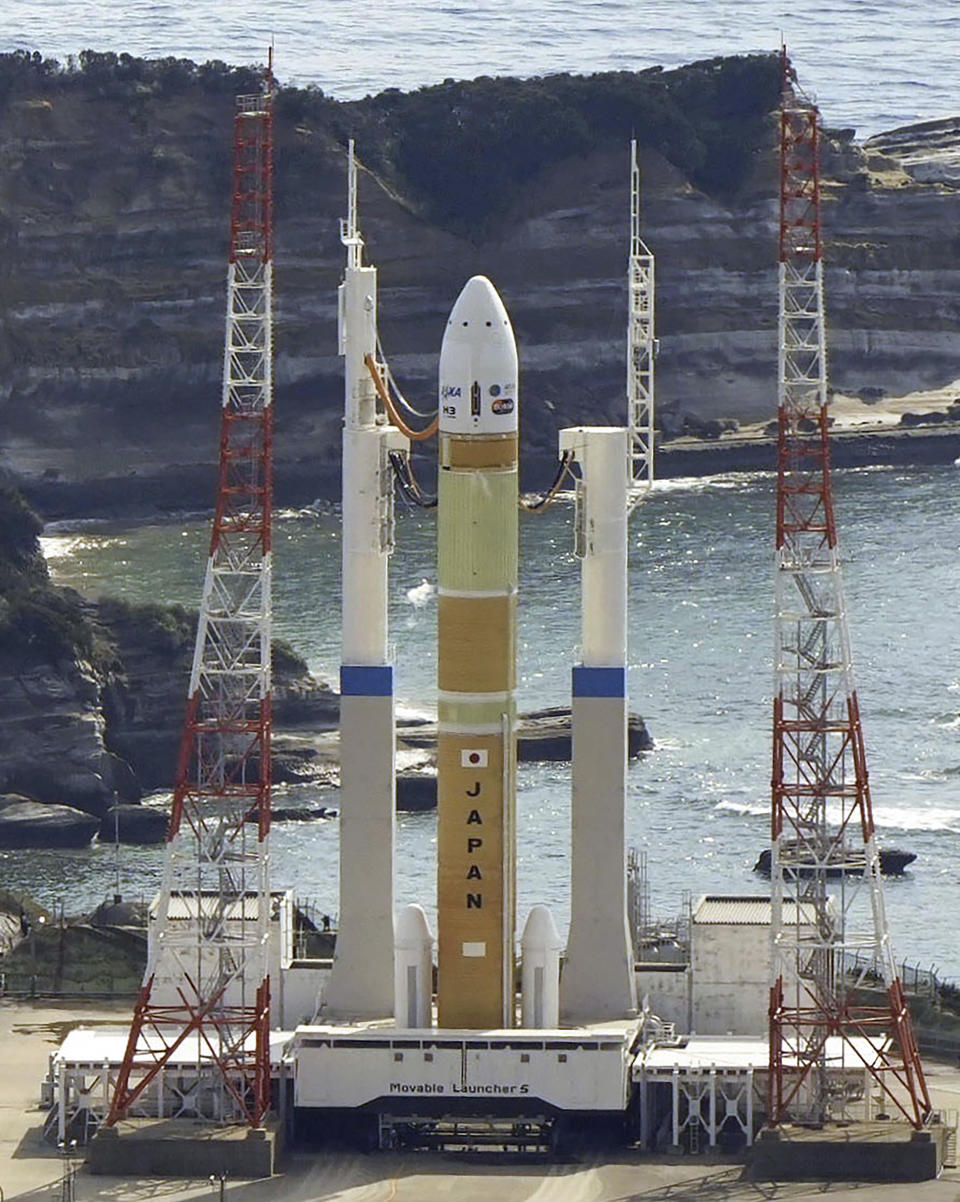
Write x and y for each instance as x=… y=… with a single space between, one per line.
x=30 y=1169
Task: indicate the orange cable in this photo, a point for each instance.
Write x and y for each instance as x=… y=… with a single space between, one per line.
x=384 y=395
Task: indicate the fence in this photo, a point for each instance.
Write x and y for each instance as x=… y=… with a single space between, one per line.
x=17 y=987
x=916 y=981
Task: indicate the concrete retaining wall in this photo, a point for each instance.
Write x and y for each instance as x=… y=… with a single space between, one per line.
x=183 y=1150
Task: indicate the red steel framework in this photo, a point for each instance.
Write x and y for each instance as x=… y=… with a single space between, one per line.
x=199 y=1041
x=838 y=1016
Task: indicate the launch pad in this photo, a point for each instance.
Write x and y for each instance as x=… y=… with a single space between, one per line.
x=391 y=1044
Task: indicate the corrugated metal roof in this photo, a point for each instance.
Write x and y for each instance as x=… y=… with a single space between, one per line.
x=716 y=910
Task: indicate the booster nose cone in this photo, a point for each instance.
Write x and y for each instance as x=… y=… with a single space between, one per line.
x=478 y=364
x=412 y=929
x=540 y=932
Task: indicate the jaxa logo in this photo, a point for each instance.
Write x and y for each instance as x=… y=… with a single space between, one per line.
x=450 y=390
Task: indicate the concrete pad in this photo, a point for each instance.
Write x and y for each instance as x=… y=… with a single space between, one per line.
x=29 y=1168
x=861 y=1151
x=29 y=1032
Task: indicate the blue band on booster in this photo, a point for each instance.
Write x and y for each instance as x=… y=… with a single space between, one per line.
x=599 y=682
x=366 y=680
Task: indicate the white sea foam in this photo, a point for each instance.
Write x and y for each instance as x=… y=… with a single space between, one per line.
x=721 y=482
x=421 y=594
x=887 y=818
x=412 y=712
x=64 y=546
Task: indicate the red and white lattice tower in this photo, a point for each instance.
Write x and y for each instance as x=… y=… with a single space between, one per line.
x=829 y=935
x=206 y=994
x=641 y=347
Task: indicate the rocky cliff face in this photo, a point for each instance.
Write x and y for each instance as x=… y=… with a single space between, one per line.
x=92 y=696
x=52 y=729
x=86 y=735
x=113 y=230
x=143 y=696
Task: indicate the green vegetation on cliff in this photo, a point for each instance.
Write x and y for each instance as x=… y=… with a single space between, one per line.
x=171 y=630
x=461 y=151
x=465 y=149
x=122 y=77
x=38 y=622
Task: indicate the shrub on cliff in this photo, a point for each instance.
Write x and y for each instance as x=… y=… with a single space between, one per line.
x=20 y=528
x=171 y=630
x=46 y=624
x=163 y=629
x=464 y=149
x=121 y=77
x=38 y=622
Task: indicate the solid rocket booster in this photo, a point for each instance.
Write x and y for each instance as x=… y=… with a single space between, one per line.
x=598 y=979
x=476 y=670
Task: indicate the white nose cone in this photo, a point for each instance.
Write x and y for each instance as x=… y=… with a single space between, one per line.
x=540 y=933
x=413 y=930
x=478 y=364
x=540 y=973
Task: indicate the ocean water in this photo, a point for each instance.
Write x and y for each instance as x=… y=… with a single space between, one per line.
x=701 y=641
x=873 y=64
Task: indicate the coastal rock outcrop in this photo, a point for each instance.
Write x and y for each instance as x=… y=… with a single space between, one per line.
x=546 y=734
x=52 y=735
x=93 y=700
x=134 y=824
x=145 y=696
x=28 y=823
x=542 y=735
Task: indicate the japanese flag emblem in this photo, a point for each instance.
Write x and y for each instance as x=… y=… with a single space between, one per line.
x=473 y=757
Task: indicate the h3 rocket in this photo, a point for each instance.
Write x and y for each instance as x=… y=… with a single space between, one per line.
x=477 y=662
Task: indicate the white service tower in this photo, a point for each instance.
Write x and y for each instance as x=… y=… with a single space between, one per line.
x=598 y=980
x=361 y=981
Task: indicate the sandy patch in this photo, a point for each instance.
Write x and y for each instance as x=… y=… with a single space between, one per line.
x=850 y=412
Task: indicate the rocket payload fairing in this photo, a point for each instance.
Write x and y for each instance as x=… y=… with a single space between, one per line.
x=476 y=670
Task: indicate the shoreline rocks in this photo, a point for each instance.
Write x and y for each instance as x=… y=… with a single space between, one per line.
x=28 y=823
x=134 y=824
x=898 y=447
x=543 y=735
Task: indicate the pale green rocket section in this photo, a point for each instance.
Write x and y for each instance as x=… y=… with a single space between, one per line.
x=475 y=714
x=477 y=551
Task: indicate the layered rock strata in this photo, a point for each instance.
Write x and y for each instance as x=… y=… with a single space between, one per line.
x=113 y=261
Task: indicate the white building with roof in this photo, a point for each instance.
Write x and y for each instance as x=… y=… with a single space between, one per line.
x=730 y=963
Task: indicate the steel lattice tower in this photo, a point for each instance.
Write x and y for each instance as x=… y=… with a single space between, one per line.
x=206 y=990
x=825 y=871
x=641 y=346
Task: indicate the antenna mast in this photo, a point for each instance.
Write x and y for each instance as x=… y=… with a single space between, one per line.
x=641 y=347
x=349 y=230
x=206 y=991
x=824 y=844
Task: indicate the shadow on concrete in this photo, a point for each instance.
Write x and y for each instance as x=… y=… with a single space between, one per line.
x=34 y=1147
x=734 y=1185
